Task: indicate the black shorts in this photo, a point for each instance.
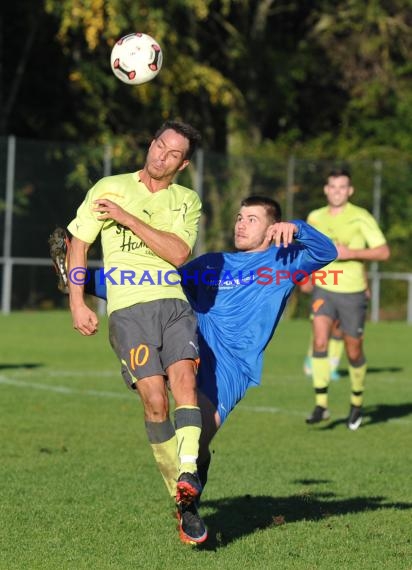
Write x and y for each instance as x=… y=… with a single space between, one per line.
x=149 y=337
x=349 y=308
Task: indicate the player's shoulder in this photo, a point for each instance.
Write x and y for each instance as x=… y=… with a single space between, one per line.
x=317 y=214
x=112 y=185
x=184 y=193
x=355 y=208
x=358 y=211
x=115 y=179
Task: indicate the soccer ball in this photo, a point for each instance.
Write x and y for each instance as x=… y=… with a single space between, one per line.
x=136 y=59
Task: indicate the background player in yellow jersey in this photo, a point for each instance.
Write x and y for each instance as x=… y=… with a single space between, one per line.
x=148 y=223
x=343 y=295
x=336 y=344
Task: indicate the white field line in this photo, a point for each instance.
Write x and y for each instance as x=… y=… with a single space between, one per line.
x=73 y=373
x=118 y=395
x=61 y=389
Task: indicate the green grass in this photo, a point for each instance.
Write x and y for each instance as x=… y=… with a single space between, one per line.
x=79 y=488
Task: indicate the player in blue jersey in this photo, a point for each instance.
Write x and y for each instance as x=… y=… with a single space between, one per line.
x=262 y=274
x=271 y=258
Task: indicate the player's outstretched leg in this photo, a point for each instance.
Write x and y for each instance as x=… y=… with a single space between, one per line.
x=59 y=244
x=192 y=529
x=203 y=470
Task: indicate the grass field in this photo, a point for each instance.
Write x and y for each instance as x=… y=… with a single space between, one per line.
x=79 y=488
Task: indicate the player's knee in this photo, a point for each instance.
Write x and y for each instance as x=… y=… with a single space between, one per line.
x=354 y=351
x=320 y=345
x=156 y=406
x=356 y=358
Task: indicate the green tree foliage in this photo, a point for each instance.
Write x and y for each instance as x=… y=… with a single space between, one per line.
x=318 y=75
x=243 y=71
x=370 y=45
x=189 y=86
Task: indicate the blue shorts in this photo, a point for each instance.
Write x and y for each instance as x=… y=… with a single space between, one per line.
x=221 y=381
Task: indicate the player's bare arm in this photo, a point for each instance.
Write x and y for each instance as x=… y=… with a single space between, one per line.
x=166 y=245
x=380 y=253
x=282 y=233
x=84 y=319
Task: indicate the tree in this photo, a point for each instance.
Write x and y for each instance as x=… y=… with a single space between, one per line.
x=370 y=45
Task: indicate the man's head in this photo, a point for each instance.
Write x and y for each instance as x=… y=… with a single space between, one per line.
x=187 y=131
x=171 y=149
x=256 y=215
x=338 y=188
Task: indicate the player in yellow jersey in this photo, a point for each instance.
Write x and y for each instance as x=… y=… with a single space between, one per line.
x=148 y=226
x=342 y=293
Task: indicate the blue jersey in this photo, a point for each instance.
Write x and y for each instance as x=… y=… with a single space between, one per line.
x=238 y=299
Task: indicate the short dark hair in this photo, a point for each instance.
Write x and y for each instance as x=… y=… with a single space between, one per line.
x=184 y=129
x=335 y=172
x=272 y=208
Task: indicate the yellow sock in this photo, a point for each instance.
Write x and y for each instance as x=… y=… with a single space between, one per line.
x=321 y=376
x=188 y=425
x=165 y=455
x=335 y=350
x=357 y=379
x=163 y=442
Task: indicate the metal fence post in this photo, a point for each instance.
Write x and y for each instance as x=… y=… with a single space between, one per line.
x=8 y=227
x=107 y=160
x=107 y=170
x=290 y=183
x=377 y=196
x=409 y=307
x=200 y=242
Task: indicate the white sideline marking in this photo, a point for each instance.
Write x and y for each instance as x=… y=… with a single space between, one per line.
x=61 y=389
x=117 y=395
x=271 y=410
x=82 y=373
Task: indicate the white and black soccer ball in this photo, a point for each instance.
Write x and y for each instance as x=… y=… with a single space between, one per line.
x=136 y=58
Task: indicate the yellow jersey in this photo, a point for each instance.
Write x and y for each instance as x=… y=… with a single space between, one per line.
x=355 y=228
x=133 y=273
